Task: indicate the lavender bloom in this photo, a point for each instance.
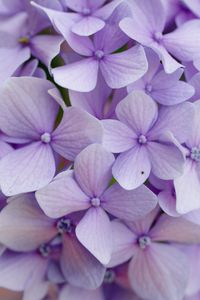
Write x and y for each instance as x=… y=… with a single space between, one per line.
x=87 y=189
x=152 y=255
x=118 y=69
x=143 y=137
x=183 y=43
x=164 y=88
x=187 y=186
x=33 y=231
x=90 y=15
x=20 y=39
x=27 y=116
x=30 y=68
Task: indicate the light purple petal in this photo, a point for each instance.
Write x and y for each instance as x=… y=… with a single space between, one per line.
x=187 y=188
x=123 y=244
x=121 y=69
x=132 y=167
x=37 y=291
x=117 y=136
x=46 y=47
x=62 y=196
x=5 y=149
x=73 y=293
x=167 y=203
x=92 y=169
x=95 y=234
x=102 y=39
x=128 y=205
x=26 y=109
x=178 y=230
x=88 y=26
x=80 y=76
x=77 y=130
x=159 y=261
x=176 y=119
x=166 y=159
x=194 y=136
x=23 y=225
x=193 y=5
x=138 y=111
x=19 y=271
x=184 y=42
x=80 y=268
x=194 y=81
x=27 y=169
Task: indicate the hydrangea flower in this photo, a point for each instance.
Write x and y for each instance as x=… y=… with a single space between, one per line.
x=143 y=137
x=87 y=189
x=27 y=117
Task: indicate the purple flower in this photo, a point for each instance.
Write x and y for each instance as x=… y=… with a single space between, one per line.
x=87 y=189
x=164 y=88
x=31 y=68
x=118 y=69
x=27 y=117
x=146 y=27
x=155 y=255
x=20 y=39
x=90 y=15
x=187 y=186
x=34 y=232
x=144 y=138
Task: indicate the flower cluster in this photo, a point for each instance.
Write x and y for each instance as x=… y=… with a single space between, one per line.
x=100 y=149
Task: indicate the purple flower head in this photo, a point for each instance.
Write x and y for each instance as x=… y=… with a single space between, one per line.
x=27 y=117
x=118 y=69
x=87 y=189
x=34 y=232
x=146 y=26
x=155 y=254
x=89 y=16
x=187 y=186
x=19 y=41
x=164 y=88
x=143 y=135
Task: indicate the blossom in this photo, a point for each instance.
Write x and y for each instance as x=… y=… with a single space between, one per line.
x=183 y=43
x=118 y=69
x=27 y=117
x=166 y=89
x=153 y=256
x=142 y=136
x=87 y=189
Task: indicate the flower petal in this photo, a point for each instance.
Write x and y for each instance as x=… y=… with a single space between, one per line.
x=129 y=205
x=121 y=69
x=92 y=169
x=88 y=26
x=77 y=130
x=73 y=293
x=94 y=232
x=80 y=268
x=27 y=169
x=61 y=197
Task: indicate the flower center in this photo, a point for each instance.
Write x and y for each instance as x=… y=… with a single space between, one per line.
x=46 y=137
x=109 y=276
x=99 y=54
x=195 y=153
x=45 y=250
x=64 y=225
x=148 y=88
x=95 y=202
x=23 y=40
x=157 y=36
x=144 y=241
x=142 y=139
x=86 y=11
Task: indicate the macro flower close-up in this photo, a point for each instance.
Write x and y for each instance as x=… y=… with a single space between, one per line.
x=99 y=149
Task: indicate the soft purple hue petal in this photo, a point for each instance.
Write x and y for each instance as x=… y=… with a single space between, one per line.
x=129 y=205
x=92 y=169
x=77 y=130
x=79 y=267
x=95 y=233
x=88 y=26
x=62 y=196
x=27 y=169
x=23 y=225
x=73 y=293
